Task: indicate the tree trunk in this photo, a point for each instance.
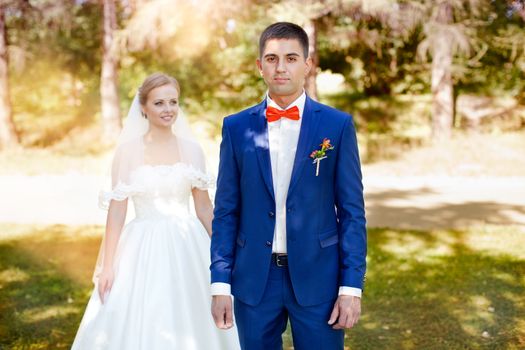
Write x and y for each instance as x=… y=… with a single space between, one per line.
x=442 y=87
x=108 y=81
x=8 y=136
x=311 y=84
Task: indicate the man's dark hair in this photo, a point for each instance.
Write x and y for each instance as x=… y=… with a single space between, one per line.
x=284 y=30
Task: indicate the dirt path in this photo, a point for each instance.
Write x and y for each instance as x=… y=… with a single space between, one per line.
x=423 y=202
x=428 y=202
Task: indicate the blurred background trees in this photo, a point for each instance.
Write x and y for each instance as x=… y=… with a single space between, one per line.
x=408 y=70
x=8 y=136
x=109 y=100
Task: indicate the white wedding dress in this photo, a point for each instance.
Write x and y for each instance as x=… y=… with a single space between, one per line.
x=160 y=297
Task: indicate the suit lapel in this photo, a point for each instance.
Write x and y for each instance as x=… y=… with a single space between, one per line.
x=311 y=118
x=262 y=148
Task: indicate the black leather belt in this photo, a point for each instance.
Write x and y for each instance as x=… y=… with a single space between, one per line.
x=280 y=260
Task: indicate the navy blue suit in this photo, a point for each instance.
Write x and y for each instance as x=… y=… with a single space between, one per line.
x=325 y=220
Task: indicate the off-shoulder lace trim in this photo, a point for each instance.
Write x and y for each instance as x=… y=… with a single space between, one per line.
x=122 y=191
x=200 y=179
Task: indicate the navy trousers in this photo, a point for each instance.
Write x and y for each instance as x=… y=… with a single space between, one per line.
x=261 y=327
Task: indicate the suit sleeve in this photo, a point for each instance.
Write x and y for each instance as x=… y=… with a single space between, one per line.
x=350 y=210
x=226 y=213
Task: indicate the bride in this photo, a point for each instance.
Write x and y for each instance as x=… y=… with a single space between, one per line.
x=152 y=286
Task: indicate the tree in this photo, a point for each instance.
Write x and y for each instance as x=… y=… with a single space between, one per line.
x=110 y=108
x=207 y=45
x=447 y=30
x=311 y=29
x=441 y=85
x=309 y=14
x=8 y=136
x=451 y=30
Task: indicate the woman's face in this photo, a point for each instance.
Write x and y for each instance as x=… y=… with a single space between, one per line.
x=162 y=106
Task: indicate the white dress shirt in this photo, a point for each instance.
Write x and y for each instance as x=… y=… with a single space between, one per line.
x=283 y=137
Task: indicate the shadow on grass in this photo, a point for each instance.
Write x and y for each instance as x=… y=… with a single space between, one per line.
x=433 y=291
x=449 y=215
x=44 y=287
x=425 y=289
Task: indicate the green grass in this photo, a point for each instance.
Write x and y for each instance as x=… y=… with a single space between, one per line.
x=44 y=284
x=425 y=290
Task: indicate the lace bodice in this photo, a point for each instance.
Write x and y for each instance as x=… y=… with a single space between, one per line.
x=160 y=190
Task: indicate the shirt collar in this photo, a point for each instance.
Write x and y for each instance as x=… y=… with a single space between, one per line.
x=299 y=102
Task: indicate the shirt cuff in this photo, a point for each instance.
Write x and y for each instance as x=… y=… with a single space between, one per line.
x=219 y=288
x=356 y=292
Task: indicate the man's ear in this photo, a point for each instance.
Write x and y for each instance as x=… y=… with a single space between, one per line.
x=309 y=63
x=259 y=65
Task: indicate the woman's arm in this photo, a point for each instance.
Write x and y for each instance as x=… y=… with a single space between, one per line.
x=203 y=208
x=114 y=223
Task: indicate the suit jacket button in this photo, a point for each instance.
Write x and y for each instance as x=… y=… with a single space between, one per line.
x=271 y=214
x=268 y=243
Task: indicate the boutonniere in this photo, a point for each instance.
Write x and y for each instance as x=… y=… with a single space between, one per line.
x=319 y=154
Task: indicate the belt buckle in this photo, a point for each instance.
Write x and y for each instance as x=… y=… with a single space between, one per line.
x=278 y=260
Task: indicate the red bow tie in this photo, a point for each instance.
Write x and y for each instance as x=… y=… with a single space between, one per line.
x=274 y=114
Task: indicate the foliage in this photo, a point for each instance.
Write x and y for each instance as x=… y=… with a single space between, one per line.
x=55 y=49
x=54 y=81
x=502 y=69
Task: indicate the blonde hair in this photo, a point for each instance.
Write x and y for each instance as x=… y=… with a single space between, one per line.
x=154 y=81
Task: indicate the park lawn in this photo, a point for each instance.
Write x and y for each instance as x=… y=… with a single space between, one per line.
x=447 y=289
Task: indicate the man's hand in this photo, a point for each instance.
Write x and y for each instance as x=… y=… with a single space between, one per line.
x=346 y=312
x=221 y=309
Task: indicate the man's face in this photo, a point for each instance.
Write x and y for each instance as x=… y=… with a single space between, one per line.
x=284 y=67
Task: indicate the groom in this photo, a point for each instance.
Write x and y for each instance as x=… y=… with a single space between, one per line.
x=289 y=235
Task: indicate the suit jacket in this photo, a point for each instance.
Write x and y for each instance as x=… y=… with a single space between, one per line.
x=325 y=219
